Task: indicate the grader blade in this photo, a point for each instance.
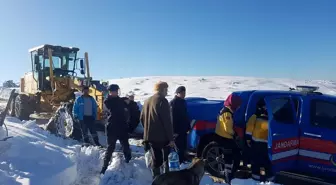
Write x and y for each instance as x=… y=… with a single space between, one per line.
x=4 y=113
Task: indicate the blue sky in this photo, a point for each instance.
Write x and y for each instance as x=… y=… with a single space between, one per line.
x=284 y=38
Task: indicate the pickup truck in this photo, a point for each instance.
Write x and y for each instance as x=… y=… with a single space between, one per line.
x=303 y=141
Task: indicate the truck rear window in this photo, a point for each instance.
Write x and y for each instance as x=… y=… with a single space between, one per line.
x=323 y=114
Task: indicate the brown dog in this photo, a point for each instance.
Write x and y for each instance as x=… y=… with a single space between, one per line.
x=190 y=176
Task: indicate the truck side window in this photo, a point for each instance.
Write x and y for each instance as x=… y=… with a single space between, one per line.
x=282 y=110
x=323 y=114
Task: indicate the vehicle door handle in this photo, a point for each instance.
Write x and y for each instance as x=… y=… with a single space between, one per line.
x=311 y=134
x=277 y=134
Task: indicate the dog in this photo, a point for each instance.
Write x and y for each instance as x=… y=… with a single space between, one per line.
x=189 y=176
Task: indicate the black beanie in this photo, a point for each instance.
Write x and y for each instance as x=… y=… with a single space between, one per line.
x=180 y=89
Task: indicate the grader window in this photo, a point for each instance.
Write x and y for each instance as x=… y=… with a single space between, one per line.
x=56 y=62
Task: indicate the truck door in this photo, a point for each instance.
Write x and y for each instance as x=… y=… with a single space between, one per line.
x=318 y=138
x=283 y=132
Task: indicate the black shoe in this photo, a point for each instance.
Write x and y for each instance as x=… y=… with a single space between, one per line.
x=127 y=159
x=102 y=172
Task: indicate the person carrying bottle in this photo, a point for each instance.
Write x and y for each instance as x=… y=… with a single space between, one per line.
x=181 y=122
x=257 y=139
x=116 y=128
x=85 y=112
x=226 y=135
x=158 y=128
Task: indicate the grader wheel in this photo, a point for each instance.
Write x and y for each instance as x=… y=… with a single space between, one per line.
x=11 y=110
x=63 y=121
x=21 y=107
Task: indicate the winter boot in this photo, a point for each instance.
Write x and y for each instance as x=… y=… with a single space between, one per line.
x=102 y=172
x=105 y=165
x=128 y=158
x=228 y=177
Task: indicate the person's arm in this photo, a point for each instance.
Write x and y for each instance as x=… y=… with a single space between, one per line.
x=174 y=116
x=165 y=117
x=94 y=108
x=249 y=128
x=142 y=113
x=186 y=117
x=75 y=108
x=107 y=105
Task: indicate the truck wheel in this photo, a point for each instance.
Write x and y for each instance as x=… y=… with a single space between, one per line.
x=22 y=108
x=215 y=155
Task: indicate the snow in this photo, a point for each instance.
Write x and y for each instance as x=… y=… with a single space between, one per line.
x=33 y=156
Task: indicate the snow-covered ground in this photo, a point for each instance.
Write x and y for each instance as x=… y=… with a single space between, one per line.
x=35 y=157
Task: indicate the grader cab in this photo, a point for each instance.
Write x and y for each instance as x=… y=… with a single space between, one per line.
x=47 y=92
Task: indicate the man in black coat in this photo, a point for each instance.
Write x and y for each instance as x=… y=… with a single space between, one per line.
x=181 y=121
x=116 y=128
x=134 y=112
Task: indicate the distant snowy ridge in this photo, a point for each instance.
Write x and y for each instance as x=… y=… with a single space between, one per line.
x=214 y=87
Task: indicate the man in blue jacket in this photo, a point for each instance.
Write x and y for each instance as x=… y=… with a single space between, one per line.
x=85 y=111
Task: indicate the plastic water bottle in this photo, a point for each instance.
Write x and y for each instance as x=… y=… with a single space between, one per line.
x=173 y=161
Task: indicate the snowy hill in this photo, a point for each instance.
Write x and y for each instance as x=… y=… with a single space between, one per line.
x=214 y=87
x=34 y=157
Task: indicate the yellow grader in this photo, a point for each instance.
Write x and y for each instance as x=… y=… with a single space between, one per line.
x=48 y=91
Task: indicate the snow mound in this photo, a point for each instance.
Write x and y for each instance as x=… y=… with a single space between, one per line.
x=33 y=156
x=121 y=173
x=89 y=161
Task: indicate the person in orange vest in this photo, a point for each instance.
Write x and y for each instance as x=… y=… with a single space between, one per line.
x=226 y=135
x=257 y=139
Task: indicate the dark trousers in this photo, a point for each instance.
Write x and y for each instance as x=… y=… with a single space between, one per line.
x=87 y=124
x=260 y=159
x=111 y=142
x=160 y=152
x=232 y=159
x=181 y=144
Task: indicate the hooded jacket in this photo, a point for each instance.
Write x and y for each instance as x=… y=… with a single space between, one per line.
x=257 y=126
x=224 y=126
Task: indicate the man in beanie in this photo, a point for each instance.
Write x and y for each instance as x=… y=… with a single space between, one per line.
x=181 y=121
x=116 y=128
x=158 y=128
x=226 y=135
x=85 y=112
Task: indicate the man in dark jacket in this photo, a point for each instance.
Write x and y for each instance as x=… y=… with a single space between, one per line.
x=158 y=128
x=116 y=128
x=134 y=112
x=181 y=121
